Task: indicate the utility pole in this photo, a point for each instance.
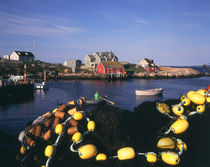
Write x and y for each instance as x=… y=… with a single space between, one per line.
x=34 y=50
x=25 y=73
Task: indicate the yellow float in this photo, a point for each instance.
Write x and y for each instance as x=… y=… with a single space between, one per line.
x=91 y=126
x=166 y=143
x=202 y=92
x=197 y=98
x=77 y=137
x=181 y=145
x=182 y=97
x=22 y=150
x=170 y=158
x=59 y=129
x=208 y=99
x=200 y=108
x=49 y=151
x=78 y=116
x=163 y=108
x=54 y=110
x=178 y=110
x=186 y=101
x=182 y=117
x=189 y=94
x=87 y=151
x=101 y=157
x=126 y=153
x=179 y=126
x=151 y=157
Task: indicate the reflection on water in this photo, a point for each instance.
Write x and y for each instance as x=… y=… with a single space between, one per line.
x=140 y=99
x=40 y=92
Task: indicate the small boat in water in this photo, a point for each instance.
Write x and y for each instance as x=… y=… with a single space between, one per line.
x=43 y=86
x=95 y=102
x=149 y=92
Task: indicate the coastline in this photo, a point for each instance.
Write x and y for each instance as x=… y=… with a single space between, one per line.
x=163 y=73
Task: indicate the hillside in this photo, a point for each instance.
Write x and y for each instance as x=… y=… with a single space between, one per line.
x=33 y=68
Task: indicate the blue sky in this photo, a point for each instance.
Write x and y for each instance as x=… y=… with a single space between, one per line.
x=172 y=32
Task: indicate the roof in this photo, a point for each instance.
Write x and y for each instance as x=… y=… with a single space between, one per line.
x=112 y=64
x=148 y=60
x=21 y=53
x=108 y=55
x=72 y=60
x=92 y=58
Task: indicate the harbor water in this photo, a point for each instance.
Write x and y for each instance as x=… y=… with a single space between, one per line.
x=14 y=117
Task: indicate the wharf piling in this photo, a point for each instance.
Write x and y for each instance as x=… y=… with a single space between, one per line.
x=15 y=92
x=115 y=76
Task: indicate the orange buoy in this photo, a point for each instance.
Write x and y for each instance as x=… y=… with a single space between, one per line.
x=56 y=122
x=73 y=122
x=59 y=114
x=30 y=142
x=32 y=131
x=47 y=123
x=72 y=102
x=72 y=111
x=62 y=108
x=47 y=135
x=72 y=130
x=38 y=131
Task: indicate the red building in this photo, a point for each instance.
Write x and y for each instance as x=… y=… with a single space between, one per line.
x=151 y=69
x=110 y=68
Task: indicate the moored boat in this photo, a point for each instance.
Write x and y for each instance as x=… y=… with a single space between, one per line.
x=149 y=92
x=43 y=85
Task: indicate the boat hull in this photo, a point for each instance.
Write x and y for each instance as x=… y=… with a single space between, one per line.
x=149 y=92
x=94 y=102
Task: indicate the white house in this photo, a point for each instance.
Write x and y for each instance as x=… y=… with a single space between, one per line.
x=92 y=61
x=6 y=57
x=148 y=65
x=22 y=56
x=73 y=64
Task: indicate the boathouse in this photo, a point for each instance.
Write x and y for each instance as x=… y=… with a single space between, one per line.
x=110 y=68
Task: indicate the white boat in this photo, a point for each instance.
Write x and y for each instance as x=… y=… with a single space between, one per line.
x=43 y=85
x=149 y=92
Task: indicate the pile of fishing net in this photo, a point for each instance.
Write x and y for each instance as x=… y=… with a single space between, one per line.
x=154 y=133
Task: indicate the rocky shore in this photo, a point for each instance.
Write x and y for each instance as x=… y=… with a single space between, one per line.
x=170 y=72
x=163 y=73
x=36 y=70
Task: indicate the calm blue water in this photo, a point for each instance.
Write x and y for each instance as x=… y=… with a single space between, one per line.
x=14 y=117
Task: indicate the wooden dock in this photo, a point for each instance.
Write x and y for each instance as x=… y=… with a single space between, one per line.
x=15 y=92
